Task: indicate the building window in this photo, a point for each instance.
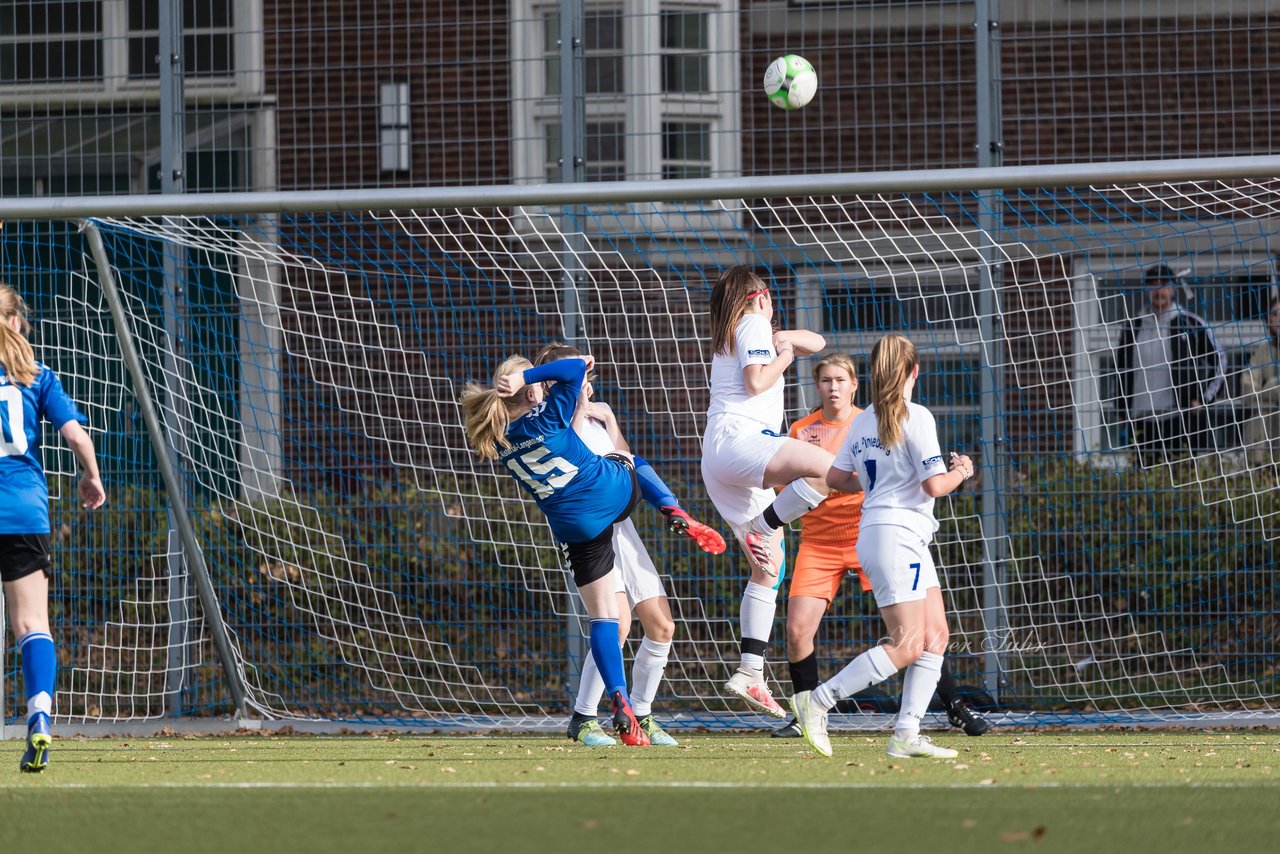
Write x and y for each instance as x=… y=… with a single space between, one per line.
x=208 y=34
x=686 y=64
x=661 y=88
x=393 y=127
x=605 y=154
x=50 y=42
x=115 y=43
x=686 y=150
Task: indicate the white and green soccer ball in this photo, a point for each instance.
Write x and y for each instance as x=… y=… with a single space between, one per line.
x=790 y=82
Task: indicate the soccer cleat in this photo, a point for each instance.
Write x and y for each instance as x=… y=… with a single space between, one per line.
x=790 y=729
x=707 y=538
x=658 y=736
x=920 y=746
x=811 y=719
x=625 y=723
x=752 y=688
x=961 y=716
x=760 y=550
x=36 y=757
x=587 y=730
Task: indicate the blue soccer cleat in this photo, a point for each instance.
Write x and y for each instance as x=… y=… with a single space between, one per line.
x=658 y=736
x=39 y=737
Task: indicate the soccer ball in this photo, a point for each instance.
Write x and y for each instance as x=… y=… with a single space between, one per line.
x=790 y=82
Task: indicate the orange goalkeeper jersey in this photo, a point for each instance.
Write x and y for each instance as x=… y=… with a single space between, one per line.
x=835 y=520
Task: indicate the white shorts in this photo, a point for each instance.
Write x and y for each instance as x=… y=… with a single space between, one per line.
x=897 y=562
x=634 y=572
x=735 y=454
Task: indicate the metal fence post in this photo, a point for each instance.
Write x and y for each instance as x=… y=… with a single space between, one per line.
x=995 y=464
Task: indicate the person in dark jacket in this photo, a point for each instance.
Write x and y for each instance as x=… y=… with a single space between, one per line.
x=1171 y=368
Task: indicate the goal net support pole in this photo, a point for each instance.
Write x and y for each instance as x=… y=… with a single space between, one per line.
x=175 y=491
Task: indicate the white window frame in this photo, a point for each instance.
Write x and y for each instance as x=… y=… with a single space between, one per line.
x=115 y=83
x=642 y=114
x=1095 y=338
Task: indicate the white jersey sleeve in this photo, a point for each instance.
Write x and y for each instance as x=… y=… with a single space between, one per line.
x=921 y=435
x=846 y=458
x=754 y=338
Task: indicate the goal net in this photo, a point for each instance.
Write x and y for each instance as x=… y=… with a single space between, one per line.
x=307 y=369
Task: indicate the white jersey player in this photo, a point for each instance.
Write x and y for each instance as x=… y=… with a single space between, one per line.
x=745 y=456
x=892 y=453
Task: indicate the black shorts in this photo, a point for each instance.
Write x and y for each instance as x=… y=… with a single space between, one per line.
x=592 y=560
x=23 y=554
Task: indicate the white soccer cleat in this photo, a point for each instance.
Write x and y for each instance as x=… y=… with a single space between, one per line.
x=920 y=746
x=752 y=688
x=812 y=720
x=759 y=549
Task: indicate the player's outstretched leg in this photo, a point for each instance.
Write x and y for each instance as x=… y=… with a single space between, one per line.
x=39 y=737
x=625 y=723
x=707 y=538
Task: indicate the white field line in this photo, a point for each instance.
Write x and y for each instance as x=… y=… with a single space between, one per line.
x=644 y=785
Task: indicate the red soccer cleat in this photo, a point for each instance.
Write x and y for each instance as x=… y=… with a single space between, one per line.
x=707 y=538
x=624 y=721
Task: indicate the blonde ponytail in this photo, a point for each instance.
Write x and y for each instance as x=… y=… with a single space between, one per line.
x=486 y=416
x=892 y=360
x=16 y=355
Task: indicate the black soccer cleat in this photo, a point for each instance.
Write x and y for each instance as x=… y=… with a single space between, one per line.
x=961 y=716
x=791 y=729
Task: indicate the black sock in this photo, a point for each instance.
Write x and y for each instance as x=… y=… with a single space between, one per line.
x=946 y=687
x=804 y=673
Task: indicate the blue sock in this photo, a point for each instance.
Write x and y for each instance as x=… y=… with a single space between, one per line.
x=608 y=655
x=39 y=670
x=656 y=493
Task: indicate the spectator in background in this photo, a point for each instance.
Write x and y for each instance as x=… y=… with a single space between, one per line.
x=1260 y=390
x=1171 y=368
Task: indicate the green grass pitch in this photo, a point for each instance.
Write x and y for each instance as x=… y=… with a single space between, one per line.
x=1062 y=791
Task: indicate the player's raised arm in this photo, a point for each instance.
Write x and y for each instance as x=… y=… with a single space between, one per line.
x=804 y=342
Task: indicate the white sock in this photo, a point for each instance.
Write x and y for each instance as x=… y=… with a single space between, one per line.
x=590 y=688
x=917 y=690
x=646 y=673
x=759 y=604
x=41 y=702
x=796 y=499
x=871 y=667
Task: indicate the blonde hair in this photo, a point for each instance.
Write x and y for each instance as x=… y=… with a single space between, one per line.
x=729 y=302
x=485 y=415
x=16 y=355
x=835 y=360
x=892 y=360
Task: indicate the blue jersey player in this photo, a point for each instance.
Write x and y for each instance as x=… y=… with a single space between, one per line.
x=30 y=393
x=529 y=431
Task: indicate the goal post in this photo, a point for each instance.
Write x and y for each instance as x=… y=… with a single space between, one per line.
x=363 y=566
